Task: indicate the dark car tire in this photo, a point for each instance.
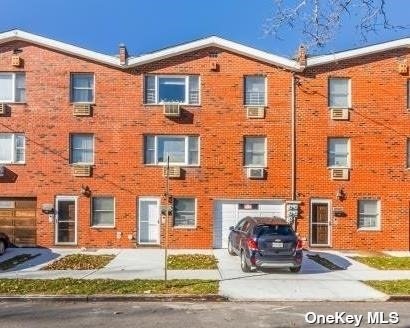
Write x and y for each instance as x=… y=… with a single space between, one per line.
x=230 y=248
x=295 y=269
x=2 y=246
x=244 y=265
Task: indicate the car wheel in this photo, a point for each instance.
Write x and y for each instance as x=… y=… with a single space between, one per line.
x=295 y=269
x=2 y=247
x=230 y=248
x=244 y=265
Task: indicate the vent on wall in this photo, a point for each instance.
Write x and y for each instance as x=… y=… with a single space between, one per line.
x=82 y=170
x=81 y=109
x=173 y=172
x=255 y=112
x=172 y=109
x=339 y=114
x=402 y=66
x=16 y=60
x=3 y=108
x=339 y=174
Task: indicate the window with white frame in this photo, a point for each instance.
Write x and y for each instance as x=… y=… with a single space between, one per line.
x=182 y=150
x=184 y=212
x=255 y=151
x=82 y=87
x=172 y=88
x=338 y=152
x=369 y=214
x=12 y=148
x=339 y=93
x=255 y=90
x=103 y=212
x=82 y=148
x=12 y=87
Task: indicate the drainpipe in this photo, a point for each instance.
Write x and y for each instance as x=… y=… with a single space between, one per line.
x=293 y=139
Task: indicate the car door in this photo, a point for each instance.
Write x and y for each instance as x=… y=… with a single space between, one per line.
x=243 y=234
x=236 y=234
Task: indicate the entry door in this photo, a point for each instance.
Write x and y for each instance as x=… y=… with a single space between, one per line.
x=320 y=224
x=149 y=221
x=66 y=220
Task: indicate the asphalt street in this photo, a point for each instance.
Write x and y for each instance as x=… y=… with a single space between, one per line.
x=179 y=315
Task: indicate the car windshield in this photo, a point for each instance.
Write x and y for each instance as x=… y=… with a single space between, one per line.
x=273 y=229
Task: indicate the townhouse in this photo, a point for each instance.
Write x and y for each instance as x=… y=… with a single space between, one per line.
x=85 y=139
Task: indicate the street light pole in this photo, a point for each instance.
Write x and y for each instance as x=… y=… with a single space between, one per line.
x=166 y=223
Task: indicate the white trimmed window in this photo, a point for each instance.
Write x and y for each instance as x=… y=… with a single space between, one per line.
x=339 y=152
x=255 y=151
x=182 y=150
x=339 y=93
x=12 y=87
x=369 y=214
x=103 y=209
x=172 y=88
x=82 y=87
x=82 y=148
x=12 y=148
x=184 y=212
x=255 y=90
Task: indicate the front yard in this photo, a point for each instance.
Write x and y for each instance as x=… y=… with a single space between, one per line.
x=385 y=262
x=80 y=262
x=391 y=287
x=192 y=262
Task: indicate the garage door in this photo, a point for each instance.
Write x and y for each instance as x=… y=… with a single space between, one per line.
x=18 y=220
x=228 y=213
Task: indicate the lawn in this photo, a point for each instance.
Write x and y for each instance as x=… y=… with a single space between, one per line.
x=192 y=262
x=105 y=286
x=80 y=262
x=391 y=287
x=385 y=262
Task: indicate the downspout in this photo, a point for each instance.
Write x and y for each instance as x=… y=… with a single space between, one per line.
x=293 y=139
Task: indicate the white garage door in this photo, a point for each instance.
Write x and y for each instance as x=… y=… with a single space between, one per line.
x=228 y=213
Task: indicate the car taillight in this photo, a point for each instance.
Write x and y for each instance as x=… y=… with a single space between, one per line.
x=252 y=245
x=299 y=245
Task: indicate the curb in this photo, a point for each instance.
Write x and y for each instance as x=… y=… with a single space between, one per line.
x=115 y=298
x=399 y=298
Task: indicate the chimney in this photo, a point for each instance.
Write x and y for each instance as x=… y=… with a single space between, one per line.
x=302 y=56
x=123 y=54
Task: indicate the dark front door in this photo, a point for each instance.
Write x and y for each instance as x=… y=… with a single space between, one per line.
x=320 y=224
x=66 y=225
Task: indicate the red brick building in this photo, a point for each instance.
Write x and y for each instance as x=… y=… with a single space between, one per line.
x=84 y=139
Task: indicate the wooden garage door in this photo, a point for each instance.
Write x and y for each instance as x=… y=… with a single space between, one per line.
x=18 y=220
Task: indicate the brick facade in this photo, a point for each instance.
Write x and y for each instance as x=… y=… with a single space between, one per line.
x=378 y=129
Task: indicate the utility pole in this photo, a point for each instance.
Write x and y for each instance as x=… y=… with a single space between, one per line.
x=166 y=223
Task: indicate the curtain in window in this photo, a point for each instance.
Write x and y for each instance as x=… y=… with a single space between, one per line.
x=6 y=148
x=255 y=90
x=82 y=149
x=255 y=151
x=339 y=93
x=6 y=87
x=83 y=87
x=174 y=147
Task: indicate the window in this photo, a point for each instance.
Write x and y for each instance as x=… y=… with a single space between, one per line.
x=369 y=214
x=255 y=151
x=82 y=149
x=82 y=87
x=408 y=94
x=12 y=148
x=102 y=212
x=169 y=88
x=182 y=150
x=338 y=155
x=12 y=87
x=184 y=212
x=408 y=152
x=339 y=93
x=255 y=90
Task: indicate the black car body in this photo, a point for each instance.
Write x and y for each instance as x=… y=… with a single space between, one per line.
x=4 y=242
x=265 y=243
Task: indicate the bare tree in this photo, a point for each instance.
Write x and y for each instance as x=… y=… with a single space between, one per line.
x=320 y=20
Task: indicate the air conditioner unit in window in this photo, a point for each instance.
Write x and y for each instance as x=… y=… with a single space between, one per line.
x=174 y=172
x=82 y=109
x=172 y=109
x=341 y=114
x=255 y=112
x=3 y=108
x=255 y=172
x=2 y=171
x=339 y=174
x=82 y=170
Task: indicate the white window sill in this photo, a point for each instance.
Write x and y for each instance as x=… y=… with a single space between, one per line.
x=184 y=227
x=82 y=164
x=255 y=167
x=172 y=164
x=102 y=227
x=338 y=167
x=82 y=103
x=12 y=163
x=341 y=107
x=13 y=102
x=369 y=229
x=256 y=105
x=181 y=104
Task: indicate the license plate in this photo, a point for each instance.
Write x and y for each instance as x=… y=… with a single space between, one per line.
x=277 y=245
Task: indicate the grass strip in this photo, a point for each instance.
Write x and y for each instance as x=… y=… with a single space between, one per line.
x=16 y=260
x=324 y=262
x=80 y=262
x=106 y=286
x=192 y=262
x=391 y=287
x=385 y=262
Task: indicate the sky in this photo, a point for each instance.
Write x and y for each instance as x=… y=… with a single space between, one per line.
x=149 y=25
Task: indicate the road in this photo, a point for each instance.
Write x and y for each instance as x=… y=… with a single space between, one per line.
x=180 y=315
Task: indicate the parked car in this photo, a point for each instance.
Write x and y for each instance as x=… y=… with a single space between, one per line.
x=264 y=242
x=4 y=242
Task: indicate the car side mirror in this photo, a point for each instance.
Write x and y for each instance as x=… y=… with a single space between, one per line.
x=231 y=228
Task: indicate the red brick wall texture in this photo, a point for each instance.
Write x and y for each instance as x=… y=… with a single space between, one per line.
x=378 y=131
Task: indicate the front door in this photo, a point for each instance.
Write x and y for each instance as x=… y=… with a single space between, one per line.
x=320 y=224
x=149 y=221
x=66 y=220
